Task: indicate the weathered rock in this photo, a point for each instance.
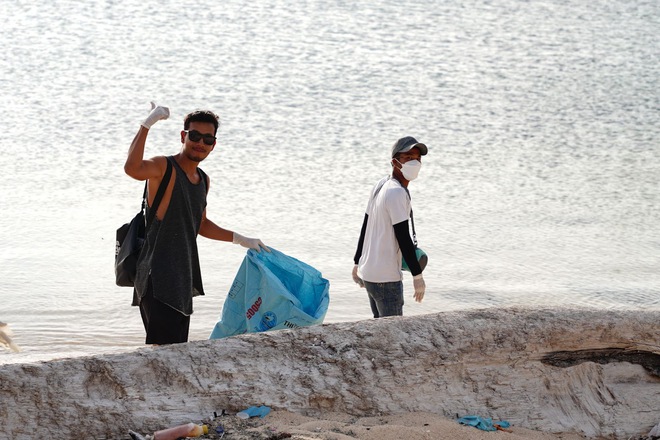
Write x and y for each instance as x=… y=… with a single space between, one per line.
x=555 y=370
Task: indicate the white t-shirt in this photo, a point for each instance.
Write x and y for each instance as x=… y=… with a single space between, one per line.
x=381 y=256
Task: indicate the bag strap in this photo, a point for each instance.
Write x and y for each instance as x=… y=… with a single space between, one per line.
x=159 y=194
x=412 y=221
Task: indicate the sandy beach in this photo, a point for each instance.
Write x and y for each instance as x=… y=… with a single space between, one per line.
x=340 y=426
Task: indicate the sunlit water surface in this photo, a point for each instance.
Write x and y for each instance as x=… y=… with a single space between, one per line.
x=540 y=187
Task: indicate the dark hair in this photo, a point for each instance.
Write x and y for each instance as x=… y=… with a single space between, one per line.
x=201 y=116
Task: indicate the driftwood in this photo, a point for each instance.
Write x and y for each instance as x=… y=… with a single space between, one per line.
x=555 y=370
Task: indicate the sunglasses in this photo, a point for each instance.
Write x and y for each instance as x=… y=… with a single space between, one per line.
x=196 y=136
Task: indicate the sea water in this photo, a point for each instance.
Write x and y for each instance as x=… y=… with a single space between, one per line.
x=540 y=187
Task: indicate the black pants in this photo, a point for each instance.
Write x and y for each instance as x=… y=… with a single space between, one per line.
x=163 y=324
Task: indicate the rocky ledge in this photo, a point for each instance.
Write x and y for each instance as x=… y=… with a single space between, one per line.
x=592 y=372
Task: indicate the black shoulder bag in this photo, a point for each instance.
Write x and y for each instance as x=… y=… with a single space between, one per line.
x=131 y=236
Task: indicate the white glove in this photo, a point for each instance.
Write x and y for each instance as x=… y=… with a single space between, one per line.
x=250 y=243
x=157 y=113
x=356 y=278
x=420 y=287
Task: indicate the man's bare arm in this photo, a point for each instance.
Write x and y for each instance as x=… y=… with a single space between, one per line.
x=136 y=166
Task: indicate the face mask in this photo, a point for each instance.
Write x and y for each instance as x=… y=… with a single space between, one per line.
x=410 y=169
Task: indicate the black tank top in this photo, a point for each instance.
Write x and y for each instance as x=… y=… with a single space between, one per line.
x=170 y=256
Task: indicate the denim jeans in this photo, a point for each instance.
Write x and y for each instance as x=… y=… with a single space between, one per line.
x=386 y=299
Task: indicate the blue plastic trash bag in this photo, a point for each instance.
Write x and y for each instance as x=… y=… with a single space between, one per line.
x=485 y=424
x=273 y=291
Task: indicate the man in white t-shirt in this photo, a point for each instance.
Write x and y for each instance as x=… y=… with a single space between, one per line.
x=385 y=235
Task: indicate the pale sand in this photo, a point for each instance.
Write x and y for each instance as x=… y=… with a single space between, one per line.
x=337 y=426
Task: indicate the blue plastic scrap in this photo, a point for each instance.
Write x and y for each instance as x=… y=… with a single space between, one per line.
x=253 y=411
x=485 y=424
x=273 y=291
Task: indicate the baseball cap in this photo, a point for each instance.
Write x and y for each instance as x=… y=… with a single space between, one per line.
x=406 y=144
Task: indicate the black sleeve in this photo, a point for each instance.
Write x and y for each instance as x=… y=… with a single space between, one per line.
x=402 y=234
x=358 y=252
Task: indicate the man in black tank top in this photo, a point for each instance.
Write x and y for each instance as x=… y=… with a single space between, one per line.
x=168 y=273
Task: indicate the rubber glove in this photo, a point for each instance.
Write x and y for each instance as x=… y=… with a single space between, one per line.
x=250 y=243
x=420 y=287
x=157 y=113
x=356 y=278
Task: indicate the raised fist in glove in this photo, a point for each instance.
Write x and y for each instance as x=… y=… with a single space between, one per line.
x=158 y=112
x=420 y=287
x=356 y=278
x=250 y=243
